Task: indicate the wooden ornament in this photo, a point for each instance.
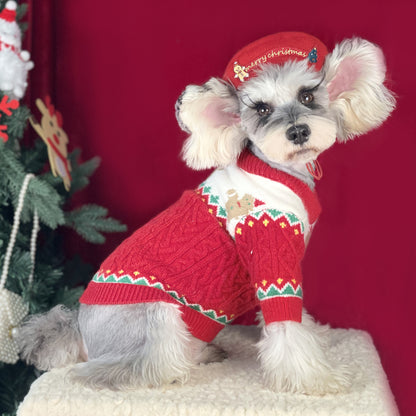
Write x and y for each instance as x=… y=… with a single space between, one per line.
x=51 y=132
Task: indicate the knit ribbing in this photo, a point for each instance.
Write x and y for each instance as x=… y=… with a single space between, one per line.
x=287 y=309
x=199 y=325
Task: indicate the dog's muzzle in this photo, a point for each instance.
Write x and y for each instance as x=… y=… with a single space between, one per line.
x=298 y=134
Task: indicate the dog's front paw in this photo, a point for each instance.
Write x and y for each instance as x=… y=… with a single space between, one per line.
x=293 y=359
x=307 y=377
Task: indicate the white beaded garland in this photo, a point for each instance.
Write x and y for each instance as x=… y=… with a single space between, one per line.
x=12 y=312
x=14 y=332
x=12 y=307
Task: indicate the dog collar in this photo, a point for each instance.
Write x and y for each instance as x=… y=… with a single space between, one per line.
x=315 y=169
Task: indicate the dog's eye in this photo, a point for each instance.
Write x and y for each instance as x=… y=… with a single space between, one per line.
x=306 y=98
x=263 y=109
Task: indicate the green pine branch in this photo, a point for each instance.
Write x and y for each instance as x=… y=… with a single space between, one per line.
x=35 y=157
x=40 y=195
x=81 y=172
x=90 y=220
x=17 y=122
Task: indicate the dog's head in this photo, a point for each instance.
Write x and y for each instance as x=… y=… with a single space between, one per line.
x=290 y=102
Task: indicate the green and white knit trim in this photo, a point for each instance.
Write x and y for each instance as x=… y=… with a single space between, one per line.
x=143 y=281
x=213 y=200
x=286 y=291
x=275 y=215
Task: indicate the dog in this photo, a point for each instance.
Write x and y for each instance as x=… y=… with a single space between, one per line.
x=235 y=243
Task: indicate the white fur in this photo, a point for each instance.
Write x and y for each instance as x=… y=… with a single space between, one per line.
x=279 y=150
x=280 y=83
x=293 y=360
x=367 y=103
x=212 y=142
x=292 y=357
x=124 y=346
x=134 y=345
x=51 y=340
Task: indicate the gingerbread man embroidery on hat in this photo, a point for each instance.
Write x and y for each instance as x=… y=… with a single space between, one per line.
x=240 y=72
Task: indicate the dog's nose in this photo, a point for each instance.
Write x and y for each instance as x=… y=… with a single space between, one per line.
x=298 y=134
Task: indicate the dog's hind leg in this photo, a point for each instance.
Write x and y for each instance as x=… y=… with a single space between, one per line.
x=144 y=344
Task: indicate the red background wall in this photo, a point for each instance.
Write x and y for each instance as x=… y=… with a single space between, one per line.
x=115 y=71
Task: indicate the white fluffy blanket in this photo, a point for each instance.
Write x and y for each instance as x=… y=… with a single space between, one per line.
x=230 y=388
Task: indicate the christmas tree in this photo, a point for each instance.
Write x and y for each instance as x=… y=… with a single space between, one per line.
x=34 y=265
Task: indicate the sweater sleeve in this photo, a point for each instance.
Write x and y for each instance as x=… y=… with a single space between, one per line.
x=271 y=245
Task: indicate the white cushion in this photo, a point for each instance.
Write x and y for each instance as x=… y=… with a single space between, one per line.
x=233 y=387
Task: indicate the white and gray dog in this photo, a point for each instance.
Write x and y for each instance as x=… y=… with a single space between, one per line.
x=235 y=243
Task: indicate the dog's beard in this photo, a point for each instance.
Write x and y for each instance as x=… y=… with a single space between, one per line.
x=277 y=148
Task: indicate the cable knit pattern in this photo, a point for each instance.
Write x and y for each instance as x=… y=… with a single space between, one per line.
x=219 y=251
x=271 y=246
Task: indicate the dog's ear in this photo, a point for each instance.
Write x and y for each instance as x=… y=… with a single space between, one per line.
x=210 y=113
x=355 y=73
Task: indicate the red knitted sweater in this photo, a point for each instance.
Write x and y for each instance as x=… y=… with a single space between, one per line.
x=216 y=255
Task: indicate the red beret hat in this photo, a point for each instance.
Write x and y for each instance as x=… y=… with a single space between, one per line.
x=275 y=49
